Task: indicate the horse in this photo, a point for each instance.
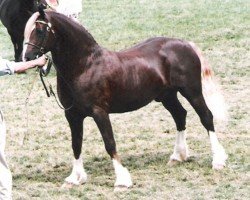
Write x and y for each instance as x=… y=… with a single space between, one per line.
x=14 y=14
x=94 y=81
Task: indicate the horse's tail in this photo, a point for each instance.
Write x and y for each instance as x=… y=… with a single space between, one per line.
x=211 y=91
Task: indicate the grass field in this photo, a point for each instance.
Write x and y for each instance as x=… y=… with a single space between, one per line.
x=145 y=137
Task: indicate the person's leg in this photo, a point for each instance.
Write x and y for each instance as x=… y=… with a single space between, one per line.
x=5 y=174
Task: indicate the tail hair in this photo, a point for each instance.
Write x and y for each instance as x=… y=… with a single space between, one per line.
x=210 y=89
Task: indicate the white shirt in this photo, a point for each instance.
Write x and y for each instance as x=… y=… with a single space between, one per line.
x=69 y=7
x=6 y=67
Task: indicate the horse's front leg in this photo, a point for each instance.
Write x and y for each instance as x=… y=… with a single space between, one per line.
x=18 y=45
x=78 y=174
x=123 y=178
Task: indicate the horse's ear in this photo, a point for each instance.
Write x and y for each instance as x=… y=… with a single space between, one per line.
x=41 y=8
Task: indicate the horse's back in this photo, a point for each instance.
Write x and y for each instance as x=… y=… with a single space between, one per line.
x=174 y=60
x=171 y=58
x=148 y=46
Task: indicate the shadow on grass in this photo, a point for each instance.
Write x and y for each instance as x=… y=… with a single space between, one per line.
x=102 y=166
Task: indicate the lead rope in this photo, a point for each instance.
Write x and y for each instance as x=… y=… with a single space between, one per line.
x=44 y=85
x=48 y=92
x=57 y=101
x=27 y=108
x=51 y=92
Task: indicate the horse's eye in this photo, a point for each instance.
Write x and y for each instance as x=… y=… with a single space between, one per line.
x=39 y=31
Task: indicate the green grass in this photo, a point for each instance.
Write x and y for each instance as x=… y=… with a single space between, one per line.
x=145 y=137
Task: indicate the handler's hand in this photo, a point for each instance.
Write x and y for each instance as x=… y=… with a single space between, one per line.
x=20 y=67
x=41 y=61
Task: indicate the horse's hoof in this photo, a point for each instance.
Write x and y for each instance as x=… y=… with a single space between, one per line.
x=218 y=166
x=172 y=163
x=123 y=178
x=121 y=188
x=67 y=185
x=219 y=160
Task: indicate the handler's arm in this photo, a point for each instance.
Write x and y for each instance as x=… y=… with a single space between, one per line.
x=7 y=67
x=23 y=66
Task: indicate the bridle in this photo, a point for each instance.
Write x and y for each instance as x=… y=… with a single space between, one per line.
x=42 y=50
x=49 y=29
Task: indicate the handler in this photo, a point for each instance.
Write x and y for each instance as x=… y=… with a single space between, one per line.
x=8 y=67
x=70 y=8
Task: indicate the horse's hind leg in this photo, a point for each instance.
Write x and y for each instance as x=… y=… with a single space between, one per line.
x=172 y=104
x=196 y=99
x=78 y=174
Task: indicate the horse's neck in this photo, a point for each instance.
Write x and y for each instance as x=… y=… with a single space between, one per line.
x=30 y=5
x=73 y=46
x=76 y=36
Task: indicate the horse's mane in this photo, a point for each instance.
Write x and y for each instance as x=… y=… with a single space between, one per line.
x=30 y=25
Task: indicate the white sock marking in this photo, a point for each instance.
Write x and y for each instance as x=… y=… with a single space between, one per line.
x=123 y=177
x=219 y=154
x=181 y=148
x=78 y=174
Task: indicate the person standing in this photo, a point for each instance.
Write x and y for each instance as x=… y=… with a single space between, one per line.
x=8 y=68
x=70 y=8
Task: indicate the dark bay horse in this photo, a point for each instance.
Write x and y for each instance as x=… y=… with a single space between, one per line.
x=93 y=81
x=14 y=14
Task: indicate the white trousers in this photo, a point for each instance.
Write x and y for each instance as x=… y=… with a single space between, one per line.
x=5 y=174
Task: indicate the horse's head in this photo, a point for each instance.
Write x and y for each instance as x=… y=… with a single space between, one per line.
x=39 y=36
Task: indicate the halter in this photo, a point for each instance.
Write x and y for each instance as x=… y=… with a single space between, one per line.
x=49 y=29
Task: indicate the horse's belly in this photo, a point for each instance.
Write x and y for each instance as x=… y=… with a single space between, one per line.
x=135 y=92
x=121 y=108
x=133 y=100
x=127 y=106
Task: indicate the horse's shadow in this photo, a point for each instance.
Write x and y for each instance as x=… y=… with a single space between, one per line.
x=99 y=166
